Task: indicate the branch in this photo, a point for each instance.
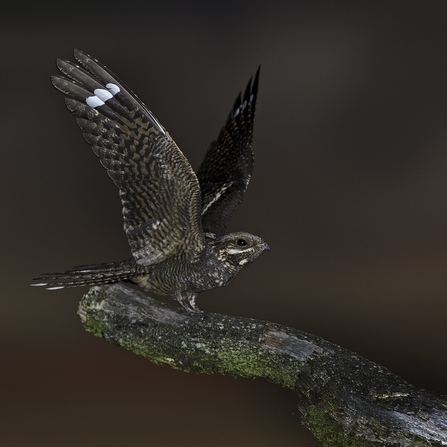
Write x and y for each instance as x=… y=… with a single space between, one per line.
x=345 y=399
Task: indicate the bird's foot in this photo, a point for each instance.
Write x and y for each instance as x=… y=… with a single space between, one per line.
x=188 y=302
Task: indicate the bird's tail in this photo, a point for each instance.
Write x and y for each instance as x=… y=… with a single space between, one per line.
x=88 y=275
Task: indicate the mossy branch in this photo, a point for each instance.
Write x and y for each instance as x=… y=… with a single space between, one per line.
x=345 y=399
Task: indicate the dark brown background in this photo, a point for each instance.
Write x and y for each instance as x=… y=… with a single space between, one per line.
x=350 y=191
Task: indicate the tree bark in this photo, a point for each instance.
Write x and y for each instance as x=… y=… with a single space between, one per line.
x=345 y=399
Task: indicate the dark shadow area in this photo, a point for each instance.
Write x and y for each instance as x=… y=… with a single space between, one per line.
x=349 y=191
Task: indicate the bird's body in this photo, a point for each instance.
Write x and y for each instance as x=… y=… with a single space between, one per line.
x=217 y=267
x=174 y=219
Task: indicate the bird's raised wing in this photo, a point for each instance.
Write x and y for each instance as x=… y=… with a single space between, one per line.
x=228 y=165
x=158 y=189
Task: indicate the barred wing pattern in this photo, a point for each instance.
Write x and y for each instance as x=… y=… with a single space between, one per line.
x=159 y=191
x=228 y=165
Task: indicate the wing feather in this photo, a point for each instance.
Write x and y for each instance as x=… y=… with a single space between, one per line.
x=159 y=191
x=228 y=165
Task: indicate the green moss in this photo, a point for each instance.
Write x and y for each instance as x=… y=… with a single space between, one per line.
x=95 y=325
x=244 y=362
x=233 y=359
x=329 y=431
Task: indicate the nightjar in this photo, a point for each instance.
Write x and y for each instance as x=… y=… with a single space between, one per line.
x=174 y=219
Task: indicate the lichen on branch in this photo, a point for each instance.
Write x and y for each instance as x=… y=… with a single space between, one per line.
x=345 y=399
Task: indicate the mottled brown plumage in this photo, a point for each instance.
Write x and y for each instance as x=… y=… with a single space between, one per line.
x=174 y=220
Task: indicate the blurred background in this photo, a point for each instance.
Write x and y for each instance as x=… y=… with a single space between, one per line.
x=349 y=190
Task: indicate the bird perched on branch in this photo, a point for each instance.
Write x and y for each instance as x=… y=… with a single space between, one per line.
x=174 y=219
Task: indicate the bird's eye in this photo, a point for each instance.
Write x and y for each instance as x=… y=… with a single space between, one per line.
x=241 y=242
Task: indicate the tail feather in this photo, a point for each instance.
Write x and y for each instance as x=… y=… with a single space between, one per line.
x=88 y=275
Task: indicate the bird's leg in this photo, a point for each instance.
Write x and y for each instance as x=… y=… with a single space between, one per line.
x=188 y=301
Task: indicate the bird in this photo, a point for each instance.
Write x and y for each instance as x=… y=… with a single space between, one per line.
x=174 y=219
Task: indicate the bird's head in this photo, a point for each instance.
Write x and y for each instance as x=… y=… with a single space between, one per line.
x=239 y=249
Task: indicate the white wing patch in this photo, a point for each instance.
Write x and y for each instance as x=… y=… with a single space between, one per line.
x=94 y=101
x=102 y=95
x=113 y=88
x=219 y=193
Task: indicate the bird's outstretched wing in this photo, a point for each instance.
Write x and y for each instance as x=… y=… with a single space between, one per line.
x=228 y=165
x=158 y=188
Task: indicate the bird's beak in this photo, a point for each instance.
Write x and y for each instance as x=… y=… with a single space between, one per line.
x=266 y=247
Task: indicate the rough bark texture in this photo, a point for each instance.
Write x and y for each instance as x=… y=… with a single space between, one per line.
x=345 y=399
